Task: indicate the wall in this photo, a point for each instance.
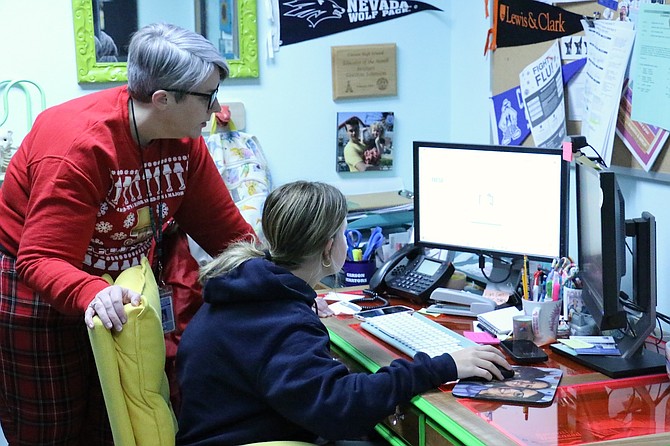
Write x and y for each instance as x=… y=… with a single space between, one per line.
x=642 y=194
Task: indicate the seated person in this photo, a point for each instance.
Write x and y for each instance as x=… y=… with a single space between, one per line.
x=254 y=364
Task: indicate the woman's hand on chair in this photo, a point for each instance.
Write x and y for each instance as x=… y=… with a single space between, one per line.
x=108 y=305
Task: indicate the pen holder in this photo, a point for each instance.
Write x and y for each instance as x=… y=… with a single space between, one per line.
x=545 y=317
x=358 y=273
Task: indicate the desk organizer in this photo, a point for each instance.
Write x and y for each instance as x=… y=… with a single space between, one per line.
x=358 y=273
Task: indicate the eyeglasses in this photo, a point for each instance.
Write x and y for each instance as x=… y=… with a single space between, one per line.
x=211 y=97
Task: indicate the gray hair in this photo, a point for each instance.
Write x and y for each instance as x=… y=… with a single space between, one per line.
x=165 y=56
x=298 y=220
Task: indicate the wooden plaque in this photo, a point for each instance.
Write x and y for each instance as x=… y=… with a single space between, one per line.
x=364 y=70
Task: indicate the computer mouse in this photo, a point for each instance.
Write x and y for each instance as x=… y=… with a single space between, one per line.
x=505 y=373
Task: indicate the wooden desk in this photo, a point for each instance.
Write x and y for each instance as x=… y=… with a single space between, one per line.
x=580 y=414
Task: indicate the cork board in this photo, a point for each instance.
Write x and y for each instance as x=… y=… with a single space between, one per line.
x=508 y=62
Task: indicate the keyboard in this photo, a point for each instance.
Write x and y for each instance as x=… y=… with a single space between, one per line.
x=410 y=332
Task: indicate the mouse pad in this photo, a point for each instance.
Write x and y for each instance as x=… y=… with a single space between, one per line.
x=529 y=386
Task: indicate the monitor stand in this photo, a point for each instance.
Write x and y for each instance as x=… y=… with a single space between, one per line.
x=506 y=272
x=643 y=362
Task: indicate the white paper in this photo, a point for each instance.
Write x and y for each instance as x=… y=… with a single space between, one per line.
x=541 y=85
x=652 y=61
x=610 y=45
x=333 y=296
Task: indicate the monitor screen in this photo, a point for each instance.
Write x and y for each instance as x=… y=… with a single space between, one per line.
x=601 y=244
x=496 y=200
x=602 y=230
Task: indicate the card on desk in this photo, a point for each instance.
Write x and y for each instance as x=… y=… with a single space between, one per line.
x=593 y=345
x=529 y=386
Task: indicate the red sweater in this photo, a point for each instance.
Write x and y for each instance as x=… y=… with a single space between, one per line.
x=74 y=204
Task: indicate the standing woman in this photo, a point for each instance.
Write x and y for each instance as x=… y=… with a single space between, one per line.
x=87 y=193
x=254 y=364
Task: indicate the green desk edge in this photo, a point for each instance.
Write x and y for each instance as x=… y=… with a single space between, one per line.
x=424 y=406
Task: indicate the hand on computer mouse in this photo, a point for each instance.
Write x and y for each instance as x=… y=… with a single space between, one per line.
x=482 y=361
x=506 y=374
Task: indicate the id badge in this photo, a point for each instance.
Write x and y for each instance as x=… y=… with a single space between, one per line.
x=167 y=308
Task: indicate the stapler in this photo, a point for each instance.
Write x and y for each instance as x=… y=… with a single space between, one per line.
x=459 y=303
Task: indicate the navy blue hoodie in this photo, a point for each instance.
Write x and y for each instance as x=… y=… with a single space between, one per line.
x=254 y=364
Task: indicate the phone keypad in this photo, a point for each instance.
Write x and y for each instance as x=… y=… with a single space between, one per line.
x=413 y=282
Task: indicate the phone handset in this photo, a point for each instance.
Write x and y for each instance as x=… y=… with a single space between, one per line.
x=411 y=274
x=404 y=255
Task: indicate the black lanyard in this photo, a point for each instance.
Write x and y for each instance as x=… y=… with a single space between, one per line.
x=157 y=221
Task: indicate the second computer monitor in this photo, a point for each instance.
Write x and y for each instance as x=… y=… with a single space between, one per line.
x=502 y=201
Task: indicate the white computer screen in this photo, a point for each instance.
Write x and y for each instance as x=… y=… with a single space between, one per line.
x=491 y=199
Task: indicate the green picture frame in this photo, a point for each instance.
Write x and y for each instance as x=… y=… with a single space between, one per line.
x=89 y=70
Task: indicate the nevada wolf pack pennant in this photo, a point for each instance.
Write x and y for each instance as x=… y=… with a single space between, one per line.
x=522 y=22
x=302 y=20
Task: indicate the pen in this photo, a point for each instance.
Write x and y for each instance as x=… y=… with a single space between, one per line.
x=549 y=285
x=537 y=283
x=524 y=278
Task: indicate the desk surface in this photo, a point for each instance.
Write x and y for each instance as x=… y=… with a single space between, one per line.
x=589 y=407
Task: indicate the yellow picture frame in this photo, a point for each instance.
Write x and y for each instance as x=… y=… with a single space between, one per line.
x=89 y=70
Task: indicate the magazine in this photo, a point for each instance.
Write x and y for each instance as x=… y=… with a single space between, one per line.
x=528 y=386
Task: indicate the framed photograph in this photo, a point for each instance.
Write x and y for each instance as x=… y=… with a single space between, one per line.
x=364 y=141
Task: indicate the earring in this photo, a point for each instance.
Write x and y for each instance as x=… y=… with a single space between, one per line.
x=324 y=264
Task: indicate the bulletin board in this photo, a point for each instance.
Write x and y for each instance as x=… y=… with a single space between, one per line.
x=508 y=62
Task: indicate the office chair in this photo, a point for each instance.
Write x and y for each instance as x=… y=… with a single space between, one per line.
x=131 y=367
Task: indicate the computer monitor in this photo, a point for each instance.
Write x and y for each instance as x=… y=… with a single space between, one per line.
x=502 y=202
x=602 y=230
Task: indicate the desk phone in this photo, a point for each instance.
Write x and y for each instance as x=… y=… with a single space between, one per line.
x=409 y=273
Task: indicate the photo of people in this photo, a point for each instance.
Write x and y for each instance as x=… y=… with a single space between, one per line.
x=529 y=385
x=364 y=141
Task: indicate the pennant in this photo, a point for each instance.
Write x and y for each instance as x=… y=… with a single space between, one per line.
x=302 y=20
x=523 y=22
x=511 y=123
x=570 y=69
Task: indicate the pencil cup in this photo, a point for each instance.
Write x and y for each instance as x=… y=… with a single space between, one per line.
x=522 y=327
x=544 y=317
x=358 y=273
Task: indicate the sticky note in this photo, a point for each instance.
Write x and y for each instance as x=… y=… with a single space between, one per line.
x=567 y=151
x=575 y=343
x=481 y=337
